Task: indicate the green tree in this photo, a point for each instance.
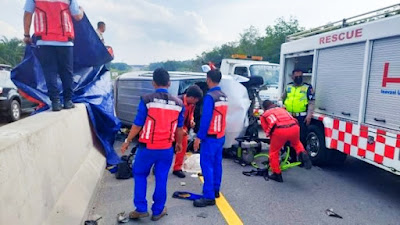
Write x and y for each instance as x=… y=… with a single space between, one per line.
x=276 y=36
x=11 y=51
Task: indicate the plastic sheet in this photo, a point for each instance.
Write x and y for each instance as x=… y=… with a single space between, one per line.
x=92 y=83
x=238 y=105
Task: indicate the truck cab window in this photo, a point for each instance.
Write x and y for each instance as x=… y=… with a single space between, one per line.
x=242 y=71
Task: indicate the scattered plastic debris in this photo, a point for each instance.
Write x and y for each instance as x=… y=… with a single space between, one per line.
x=202 y=215
x=92 y=222
x=192 y=164
x=122 y=217
x=331 y=213
x=183 y=184
x=194 y=175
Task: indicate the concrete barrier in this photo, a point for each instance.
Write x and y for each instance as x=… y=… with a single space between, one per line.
x=50 y=165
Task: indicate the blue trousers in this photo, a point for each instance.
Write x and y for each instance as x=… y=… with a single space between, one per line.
x=211 y=165
x=144 y=160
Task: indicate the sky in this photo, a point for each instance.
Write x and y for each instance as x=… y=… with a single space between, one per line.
x=145 y=31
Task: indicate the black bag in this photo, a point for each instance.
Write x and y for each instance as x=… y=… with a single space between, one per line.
x=124 y=168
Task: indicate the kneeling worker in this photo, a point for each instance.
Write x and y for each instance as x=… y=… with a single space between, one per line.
x=192 y=96
x=161 y=117
x=281 y=127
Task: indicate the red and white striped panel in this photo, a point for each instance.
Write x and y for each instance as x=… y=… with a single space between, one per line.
x=352 y=139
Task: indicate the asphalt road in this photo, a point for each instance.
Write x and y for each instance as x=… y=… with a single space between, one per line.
x=357 y=191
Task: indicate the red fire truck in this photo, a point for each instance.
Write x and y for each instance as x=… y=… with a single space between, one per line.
x=354 y=67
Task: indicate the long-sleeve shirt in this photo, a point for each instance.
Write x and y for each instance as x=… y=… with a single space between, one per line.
x=206 y=115
x=189 y=113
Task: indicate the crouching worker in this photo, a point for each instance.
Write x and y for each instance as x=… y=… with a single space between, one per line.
x=159 y=119
x=212 y=137
x=281 y=127
x=192 y=96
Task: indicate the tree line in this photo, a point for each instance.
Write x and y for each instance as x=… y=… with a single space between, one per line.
x=251 y=42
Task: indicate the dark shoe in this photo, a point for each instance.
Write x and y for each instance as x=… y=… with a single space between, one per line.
x=137 y=215
x=305 y=159
x=69 y=104
x=163 y=213
x=203 y=202
x=216 y=194
x=56 y=106
x=276 y=177
x=179 y=174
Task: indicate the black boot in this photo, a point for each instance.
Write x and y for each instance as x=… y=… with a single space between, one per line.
x=216 y=194
x=179 y=174
x=68 y=104
x=276 y=177
x=305 y=159
x=202 y=202
x=56 y=105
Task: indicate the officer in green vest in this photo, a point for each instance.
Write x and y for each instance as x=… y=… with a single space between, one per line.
x=298 y=99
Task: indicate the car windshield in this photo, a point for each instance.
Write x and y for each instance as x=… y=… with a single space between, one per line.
x=5 y=80
x=270 y=73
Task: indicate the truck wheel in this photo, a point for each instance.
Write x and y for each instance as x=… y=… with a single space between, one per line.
x=316 y=145
x=15 y=111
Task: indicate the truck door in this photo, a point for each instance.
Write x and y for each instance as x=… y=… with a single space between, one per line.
x=338 y=81
x=383 y=99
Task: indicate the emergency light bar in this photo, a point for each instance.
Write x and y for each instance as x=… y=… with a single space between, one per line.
x=240 y=56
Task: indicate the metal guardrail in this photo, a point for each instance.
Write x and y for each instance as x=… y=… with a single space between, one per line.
x=351 y=21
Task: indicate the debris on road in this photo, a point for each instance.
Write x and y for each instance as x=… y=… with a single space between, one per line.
x=122 y=217
x=183 y=184
x=194 y=175
x=202 y=215
x=331 y=213
x=92 y=222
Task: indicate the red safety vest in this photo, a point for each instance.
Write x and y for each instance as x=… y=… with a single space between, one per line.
x=277 y=118
x=218 y=121
x=53 y=21
x=159 y=129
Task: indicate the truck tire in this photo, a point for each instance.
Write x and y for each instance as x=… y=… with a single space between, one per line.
x=15 y=111
x=315 y=145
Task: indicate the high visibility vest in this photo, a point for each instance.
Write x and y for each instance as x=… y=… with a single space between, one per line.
x=161 y=122
x=218 y=121
x=278 y=117
x=53 y=20
x=296 y=98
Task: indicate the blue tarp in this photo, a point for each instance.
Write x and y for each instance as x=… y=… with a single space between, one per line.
x=92 y=83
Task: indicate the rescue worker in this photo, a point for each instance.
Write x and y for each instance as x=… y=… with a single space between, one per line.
x=212 y=137
x=54 y=31
x=281 y=127
x=159 y=120
x=101 y=28
x=193 y=95
x=298 y=99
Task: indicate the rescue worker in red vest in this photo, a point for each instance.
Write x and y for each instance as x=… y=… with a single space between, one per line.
x=158 y=121
x=212 y=137
x=192 y=96
x=281 y=127
x=54 y=31
x=298 y=99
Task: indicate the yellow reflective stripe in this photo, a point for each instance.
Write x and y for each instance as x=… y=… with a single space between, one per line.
x=226 y=209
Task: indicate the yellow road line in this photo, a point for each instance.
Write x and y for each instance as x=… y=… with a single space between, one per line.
x=226 y=209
